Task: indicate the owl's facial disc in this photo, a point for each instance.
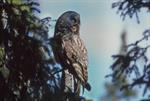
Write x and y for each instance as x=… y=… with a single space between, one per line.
x=74 y=21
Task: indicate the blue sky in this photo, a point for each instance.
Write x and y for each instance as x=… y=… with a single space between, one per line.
x=100 y=29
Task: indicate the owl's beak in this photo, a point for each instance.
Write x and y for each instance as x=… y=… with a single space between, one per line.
x=74 y=29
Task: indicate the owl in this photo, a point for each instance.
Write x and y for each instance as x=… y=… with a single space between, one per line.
x=70 y=50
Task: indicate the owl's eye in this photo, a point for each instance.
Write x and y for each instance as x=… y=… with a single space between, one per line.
x=73 y=20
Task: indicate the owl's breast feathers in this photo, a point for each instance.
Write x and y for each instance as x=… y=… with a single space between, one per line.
x=76 y=57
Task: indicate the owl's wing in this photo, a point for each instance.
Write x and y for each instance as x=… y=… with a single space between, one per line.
x=76 y=57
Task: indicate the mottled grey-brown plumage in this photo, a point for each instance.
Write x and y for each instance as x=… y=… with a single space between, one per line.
x=70 y=50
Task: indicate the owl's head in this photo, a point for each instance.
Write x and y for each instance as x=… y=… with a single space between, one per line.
x=68 y=22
